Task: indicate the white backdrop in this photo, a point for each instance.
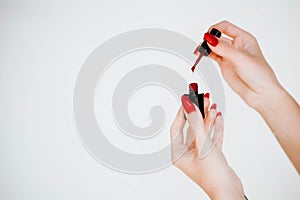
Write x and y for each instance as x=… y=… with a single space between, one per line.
x=42 y=47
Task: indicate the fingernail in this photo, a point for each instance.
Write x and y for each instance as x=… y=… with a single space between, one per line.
x=187 y=104
x=212 y=40
x=219 y=114
x=214 y=106
x=206 y=95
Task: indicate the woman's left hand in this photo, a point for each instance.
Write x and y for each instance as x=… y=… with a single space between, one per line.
x=201 y=157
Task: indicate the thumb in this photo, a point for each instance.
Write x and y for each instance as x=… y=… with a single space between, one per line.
x=224 y=49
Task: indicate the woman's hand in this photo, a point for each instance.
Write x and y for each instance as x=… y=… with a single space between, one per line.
x=245 y=69
x=201 y=157
x=243 y=65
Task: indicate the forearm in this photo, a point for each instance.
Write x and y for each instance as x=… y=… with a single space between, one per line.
x=229 y=194
x=282 y=114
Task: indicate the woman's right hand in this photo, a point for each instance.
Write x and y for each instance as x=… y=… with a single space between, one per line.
x=243 y=65
x=247 y=72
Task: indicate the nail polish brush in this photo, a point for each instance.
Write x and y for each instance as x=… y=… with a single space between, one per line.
x=197 y=99
x=204 y=49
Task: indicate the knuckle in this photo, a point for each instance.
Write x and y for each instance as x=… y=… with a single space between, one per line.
x=178 y=164
x=255 y=40
x=252 y=38
x=175 y=162
x=225 y=22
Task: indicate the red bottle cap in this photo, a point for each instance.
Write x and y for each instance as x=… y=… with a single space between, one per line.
x=193 y=86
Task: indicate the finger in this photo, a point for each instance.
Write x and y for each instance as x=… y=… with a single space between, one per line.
x=216 y=58
x=194 y=118
x=206 y=103
x=231 y=30
x=223 y=39
x=218 y=131
x=226 y=40
x=210 y=120
x=190 y=139
x=226 y=50
x=176 y=131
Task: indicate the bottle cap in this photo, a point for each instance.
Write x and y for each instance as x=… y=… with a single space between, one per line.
x=193 y=87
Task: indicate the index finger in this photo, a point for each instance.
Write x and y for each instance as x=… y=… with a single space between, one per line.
x=176 y=131
x=231 y=30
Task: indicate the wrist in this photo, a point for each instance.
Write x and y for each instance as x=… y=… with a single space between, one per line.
x=270 y=99
x=227 y=194
x=227 y=190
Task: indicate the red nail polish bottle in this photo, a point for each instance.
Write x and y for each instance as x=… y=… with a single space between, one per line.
x=197 y=99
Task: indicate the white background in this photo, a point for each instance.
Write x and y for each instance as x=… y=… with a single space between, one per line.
x=42 y=47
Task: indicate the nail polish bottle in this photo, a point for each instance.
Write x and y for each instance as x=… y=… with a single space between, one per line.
x=193 y=93
x=197 y=99
x=201 y=104
x=204 y=49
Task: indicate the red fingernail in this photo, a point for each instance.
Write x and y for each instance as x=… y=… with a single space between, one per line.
x=219 y=114
x=214 y=106
x=187 y=104
x=206 y=95
x=212 y=40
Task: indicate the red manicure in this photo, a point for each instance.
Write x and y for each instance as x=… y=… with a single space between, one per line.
x=206 y=95
x=212 y=40
x=214 y=106
x=187 y=104
x=219 y=114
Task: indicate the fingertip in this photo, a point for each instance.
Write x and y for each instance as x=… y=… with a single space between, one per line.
x=213 y=113
x=219 y=131
x=213 y=106
x=216 y=49
x=206 y=95
x=187 y=104
x=219 y=120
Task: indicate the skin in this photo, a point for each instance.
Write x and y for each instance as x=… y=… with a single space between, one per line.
x=246 y=71
x=212 y=173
